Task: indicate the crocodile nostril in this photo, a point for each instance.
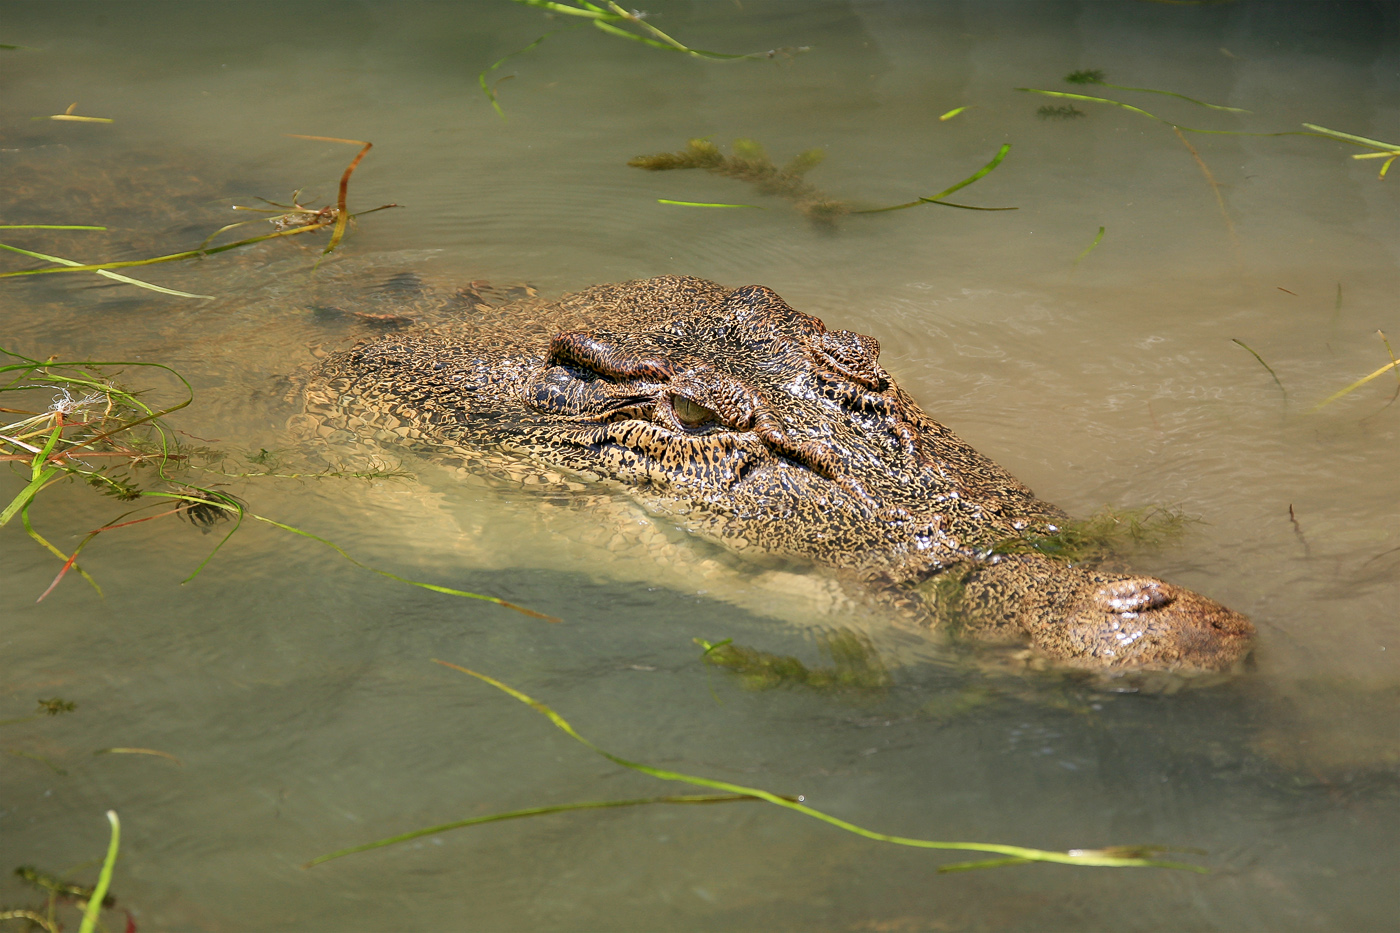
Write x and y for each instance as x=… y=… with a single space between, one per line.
x=1134 y=596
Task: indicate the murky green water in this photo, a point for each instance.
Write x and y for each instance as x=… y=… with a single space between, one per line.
x=298 y=691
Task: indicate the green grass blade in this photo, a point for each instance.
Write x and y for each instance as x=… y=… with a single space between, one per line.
x=217 y=500
x=703 y=204
x=1099 y=858
x=173 y=257
x=965 y=207
x=481 y=78
x=34 y=756
x=47 y=545
x=104 y=272
x=393 y=576
x=938 y=198
x=1336 y=395
x=532 y=811
x=988 y=863
x=39 y=478
x=1354 y=140
x=1263 y=364
x=1118 y=103
x=1090 y=248
x=104 y=879
x=609 y=28
x=38 y=464
x=565 y=9
x=982 y=172
x=1201 y=103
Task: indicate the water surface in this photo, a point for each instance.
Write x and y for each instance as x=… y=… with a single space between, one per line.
x=297 y=690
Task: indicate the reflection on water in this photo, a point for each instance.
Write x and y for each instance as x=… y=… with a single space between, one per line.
x=296 y=690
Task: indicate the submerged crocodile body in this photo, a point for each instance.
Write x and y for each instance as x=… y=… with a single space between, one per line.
x=755 y=426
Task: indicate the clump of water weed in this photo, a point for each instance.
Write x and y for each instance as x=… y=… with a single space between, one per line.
x=1068 y=112
x=855 y=664
x=61 y=897
x=749 y=162
x=56 y=706
x=1103 y=534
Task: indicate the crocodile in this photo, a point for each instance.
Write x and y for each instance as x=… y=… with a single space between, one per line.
x=754 y=425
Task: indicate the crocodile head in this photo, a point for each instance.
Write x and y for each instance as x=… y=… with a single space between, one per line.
x=754 y=425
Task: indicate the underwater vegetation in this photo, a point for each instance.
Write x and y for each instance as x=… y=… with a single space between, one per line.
x=98 y=432
x=749 y=162
x=611 y=19
x=1096 y=76
x=855 y=665
x=288 y=220
x=89 y=900
x=1051 y=112
x=1108 y=857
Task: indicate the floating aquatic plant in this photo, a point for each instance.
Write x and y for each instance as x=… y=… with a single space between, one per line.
x=289 y=220
x=1111 y=857
x=98 y=432
x=612 y=19
x=749 y=162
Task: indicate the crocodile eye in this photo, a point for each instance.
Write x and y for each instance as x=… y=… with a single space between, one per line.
x=691 y=414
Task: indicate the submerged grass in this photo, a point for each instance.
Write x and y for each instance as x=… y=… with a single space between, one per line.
x=1098 y=238
x=290 y=220
x=1111 y=857
x=1388 y=151
x=855 y=665
x=107 y=273
x=1266 y=366
x=681 y=799
x=97 y=432
x=1096 y=76
x=91 y=900
x=749 y=162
